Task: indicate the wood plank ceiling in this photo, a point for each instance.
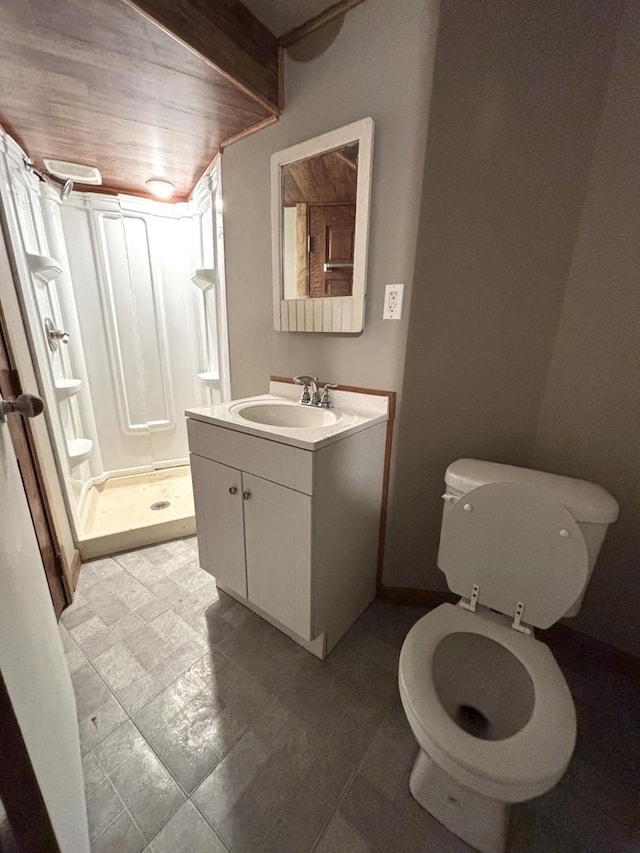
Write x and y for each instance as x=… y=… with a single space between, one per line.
x=98 y=82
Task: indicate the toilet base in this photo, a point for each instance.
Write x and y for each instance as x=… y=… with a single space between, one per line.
x=479 y=821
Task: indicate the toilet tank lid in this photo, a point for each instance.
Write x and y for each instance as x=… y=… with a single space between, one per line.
x=587 y=502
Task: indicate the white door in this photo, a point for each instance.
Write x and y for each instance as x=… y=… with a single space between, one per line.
x=33 y=665
x=217 y=493
x=278 y=543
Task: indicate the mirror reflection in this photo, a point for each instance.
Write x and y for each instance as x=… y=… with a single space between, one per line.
x=318 y=224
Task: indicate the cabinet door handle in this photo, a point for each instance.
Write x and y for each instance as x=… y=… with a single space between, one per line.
x=246 y=495
x=233 y=490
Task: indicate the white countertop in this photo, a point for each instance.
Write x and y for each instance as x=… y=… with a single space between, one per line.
x=355 y=412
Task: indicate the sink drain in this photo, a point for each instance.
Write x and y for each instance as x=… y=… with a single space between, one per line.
x=160 y=504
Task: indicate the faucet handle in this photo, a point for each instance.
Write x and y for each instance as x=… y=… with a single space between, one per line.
x=325 y=402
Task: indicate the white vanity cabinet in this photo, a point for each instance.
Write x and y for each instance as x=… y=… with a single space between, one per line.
x=292 y=533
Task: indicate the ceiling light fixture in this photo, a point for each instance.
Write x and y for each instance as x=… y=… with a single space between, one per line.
x=160 y=187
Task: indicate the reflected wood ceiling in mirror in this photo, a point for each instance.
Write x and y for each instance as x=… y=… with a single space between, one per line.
x=329 y=178
x=97 y=82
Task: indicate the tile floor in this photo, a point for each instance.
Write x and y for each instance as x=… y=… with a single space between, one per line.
x=204 y=729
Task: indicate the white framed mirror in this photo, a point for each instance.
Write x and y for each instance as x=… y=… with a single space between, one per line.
x=320 y=199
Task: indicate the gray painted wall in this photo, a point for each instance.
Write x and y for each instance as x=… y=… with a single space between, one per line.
x=590 y=421
x=495 y=359
x=380 y=66
x=517 y=98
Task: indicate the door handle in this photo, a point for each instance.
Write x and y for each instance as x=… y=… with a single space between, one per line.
x=233 y=490
x=246 y=495
x=329 y=266
x=27 y=405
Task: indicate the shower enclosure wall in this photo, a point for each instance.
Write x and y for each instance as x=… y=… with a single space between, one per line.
x=124 y=303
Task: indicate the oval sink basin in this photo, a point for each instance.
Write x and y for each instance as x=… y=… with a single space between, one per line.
x=287 y=415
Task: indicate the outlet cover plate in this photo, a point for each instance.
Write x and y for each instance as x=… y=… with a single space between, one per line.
x=393 y=294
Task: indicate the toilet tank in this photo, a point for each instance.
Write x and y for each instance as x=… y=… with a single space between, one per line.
x=593 y=508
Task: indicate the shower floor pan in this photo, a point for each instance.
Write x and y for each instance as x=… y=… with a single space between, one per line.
x=120 y=514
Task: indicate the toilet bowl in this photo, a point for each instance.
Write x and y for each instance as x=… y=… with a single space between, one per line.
x=486 y=701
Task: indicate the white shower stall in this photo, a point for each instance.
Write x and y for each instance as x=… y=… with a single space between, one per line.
x=124 y=304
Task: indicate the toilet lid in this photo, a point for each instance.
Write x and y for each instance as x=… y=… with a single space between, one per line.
x=518 y=545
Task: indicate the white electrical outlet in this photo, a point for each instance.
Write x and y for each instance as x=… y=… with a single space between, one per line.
x=393 y=294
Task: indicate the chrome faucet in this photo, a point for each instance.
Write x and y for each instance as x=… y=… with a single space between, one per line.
x=311 y=395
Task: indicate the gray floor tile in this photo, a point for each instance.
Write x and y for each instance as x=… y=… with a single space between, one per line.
x=273 y=786
x=150 y=609
x=226 y=731
x=180 y=725
x=329 y=775
x=90 y=691
x=295 y=742
x=110 y=608
x=130 y=682
x=385 y=767
x=221 y=790
x=147 y=790
x=119 y=746
x=147 y=646
x=377 y=820
x=243 y=695
x=103 y=805
x=91 y=770
x=168 y=591
x=245 y=826
x=314 y=708
x=95 y=728
x=121 y=836
x=341 y=837
x=118 y=666
x=92 y=636
x=191 y=577
x=351 y=738
x=86 y=579
x=188 y=831
x=306 y=674
x=177 y=662
x=236 y=615
x=74 y=616
x=106 y=567
x=300 y=824
x=75 y=659
x=277 y=740
x=217 y=627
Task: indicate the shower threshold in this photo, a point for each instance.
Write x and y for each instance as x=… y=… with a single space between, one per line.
x=136 y=510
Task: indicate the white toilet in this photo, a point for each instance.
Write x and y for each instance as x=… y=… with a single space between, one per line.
x=486 y=701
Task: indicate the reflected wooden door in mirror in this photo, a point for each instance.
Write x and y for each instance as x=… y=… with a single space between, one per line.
x=320 y=209
x=319 y=199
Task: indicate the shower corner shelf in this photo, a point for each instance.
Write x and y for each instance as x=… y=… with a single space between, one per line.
x=204 y=278
x=66 y=388
x=44 y=268
x=209 y=378
x=79 y=450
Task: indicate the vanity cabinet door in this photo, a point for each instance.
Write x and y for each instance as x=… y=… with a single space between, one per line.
x=217 y=492
x=278 y=552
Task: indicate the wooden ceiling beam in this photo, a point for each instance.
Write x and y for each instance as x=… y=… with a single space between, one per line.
x=305 y=29
x=226 y=35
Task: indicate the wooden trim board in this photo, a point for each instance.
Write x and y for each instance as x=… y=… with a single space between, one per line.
x=313 y=24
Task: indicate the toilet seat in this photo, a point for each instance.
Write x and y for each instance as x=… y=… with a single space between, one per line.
x=516 y=768
x=519 y=546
